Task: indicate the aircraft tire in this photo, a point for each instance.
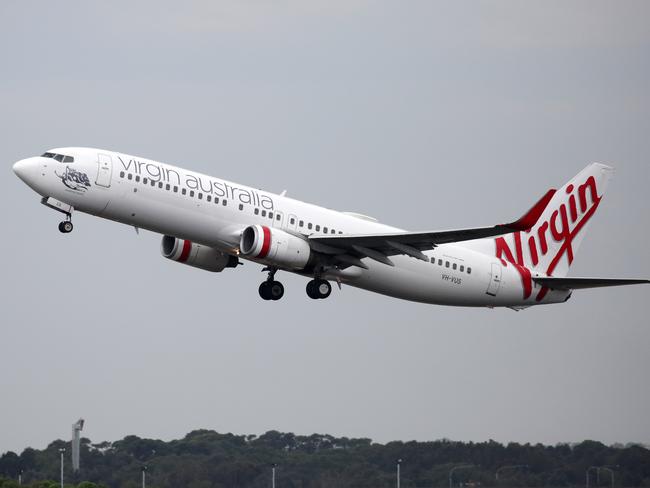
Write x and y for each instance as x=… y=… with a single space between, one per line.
x=265 y=291
x=275 y=290
x=311 y=290
x=65 y=227
x=318 y=289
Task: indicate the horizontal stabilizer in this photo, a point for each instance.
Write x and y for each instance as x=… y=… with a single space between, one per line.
x=579 y=283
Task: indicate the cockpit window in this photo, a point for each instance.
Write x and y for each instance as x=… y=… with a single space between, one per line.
x=59 y=157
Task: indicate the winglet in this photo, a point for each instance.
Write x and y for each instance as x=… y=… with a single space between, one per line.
x=532 y=216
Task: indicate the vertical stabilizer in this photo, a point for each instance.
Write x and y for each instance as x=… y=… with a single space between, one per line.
x=550 y=246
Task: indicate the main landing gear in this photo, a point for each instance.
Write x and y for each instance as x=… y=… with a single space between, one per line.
x=271 y=289
x=274 y=290
x=318 y=289
x=66 y=226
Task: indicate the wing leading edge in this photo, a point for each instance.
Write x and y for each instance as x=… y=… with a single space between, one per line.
x=349 y=249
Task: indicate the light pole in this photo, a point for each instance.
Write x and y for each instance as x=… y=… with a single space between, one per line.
x=587 y=474
x=144 y=476
x=611 y=472
x=20 y=476
x=461 y=466
x=399 y=462
x=62 y=451
x=273 y=466
x=514 y=466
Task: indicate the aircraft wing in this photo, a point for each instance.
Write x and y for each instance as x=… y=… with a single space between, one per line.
x=351 y=248
x=580 y=283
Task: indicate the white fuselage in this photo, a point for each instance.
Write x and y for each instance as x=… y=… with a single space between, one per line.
x=173 y=201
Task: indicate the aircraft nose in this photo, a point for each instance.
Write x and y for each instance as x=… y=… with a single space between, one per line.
x=22 y=168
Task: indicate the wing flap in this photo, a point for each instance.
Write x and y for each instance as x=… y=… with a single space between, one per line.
x=581 y=283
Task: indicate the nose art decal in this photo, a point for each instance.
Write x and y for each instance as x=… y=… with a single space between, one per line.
x=73 y=179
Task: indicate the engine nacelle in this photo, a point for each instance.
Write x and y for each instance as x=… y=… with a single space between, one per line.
x=193 y=254
x=275 y=247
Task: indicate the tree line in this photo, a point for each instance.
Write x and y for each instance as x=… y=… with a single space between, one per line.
x=207 y=459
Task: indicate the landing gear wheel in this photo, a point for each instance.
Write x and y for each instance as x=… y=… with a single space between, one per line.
x=318 y=289
x=271 y=290
x=65 y=227
x=323 y=288
x=265 y=291
x=311 y=290
x=276 y=290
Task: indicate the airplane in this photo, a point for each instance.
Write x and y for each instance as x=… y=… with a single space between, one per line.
x=213 y=224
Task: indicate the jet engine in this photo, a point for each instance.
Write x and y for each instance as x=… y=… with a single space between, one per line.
x=193 y=254
x=275 y=247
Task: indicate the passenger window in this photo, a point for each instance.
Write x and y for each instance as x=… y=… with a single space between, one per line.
x=184 y=191
x=340 y=232
x=292 y=221
x=256 y=211
x=439 y=262
x=175 y=189
x=241 y=206
x=130 y=176
x=301 y=224
x=209 y=198
x=270 y=215
x=433 y=260
x=333 y=231
x=325 y=230
x=191 y=193
x=453 y=266
x=469 y=270
x=137 y=178
x=263 y=213
x=462 y=268
x=278 y=217
x=145 y=181
x=224 y=202
x=160 y=184
x=200 y=196
x=121 y=174
x=309 y=225
x=153 y=183
x=446 y=264
x=318 y=228
x=167 y=186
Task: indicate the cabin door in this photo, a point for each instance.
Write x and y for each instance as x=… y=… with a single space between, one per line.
x=104 y=170
x=495 y=280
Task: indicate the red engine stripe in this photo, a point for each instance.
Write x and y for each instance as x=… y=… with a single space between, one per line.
x=185 y=253
x=266 y=244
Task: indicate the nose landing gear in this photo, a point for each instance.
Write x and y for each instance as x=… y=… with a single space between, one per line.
x=66 y=226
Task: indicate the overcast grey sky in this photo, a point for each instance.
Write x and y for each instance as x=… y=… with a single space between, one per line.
x=427 y=115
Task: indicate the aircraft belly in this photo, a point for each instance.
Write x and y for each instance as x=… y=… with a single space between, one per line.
x=184 y=219
x=419 y=281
